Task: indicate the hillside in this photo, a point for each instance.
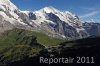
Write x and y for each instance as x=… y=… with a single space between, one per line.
x=49 y=32
x=20 y=36
x=18 y=44
x=26 y=55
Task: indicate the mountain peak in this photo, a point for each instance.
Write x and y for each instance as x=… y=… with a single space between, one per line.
x=91 y=21
x=4 y=2
x=8 y=4
x=49 y=9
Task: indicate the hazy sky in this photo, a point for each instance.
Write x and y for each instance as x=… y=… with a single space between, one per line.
x=85 y=9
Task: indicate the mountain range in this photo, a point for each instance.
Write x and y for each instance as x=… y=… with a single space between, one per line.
x=50 y=21
x=27 y=35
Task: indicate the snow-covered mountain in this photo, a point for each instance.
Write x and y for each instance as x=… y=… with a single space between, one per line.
x=56 y=22
x=11 y=17
x=48 y=20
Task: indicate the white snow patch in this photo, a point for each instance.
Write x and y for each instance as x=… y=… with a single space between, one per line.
x=9 y=5
x=80 y=29
x=11 y=20
x=26 y=12
x=2 y=8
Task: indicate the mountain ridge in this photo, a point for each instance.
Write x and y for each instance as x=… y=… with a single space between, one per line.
x=48 y=20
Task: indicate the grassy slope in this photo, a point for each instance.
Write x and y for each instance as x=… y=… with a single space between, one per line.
x=46 y=40
x=19 y=44
x=19 y=48
x=18 y=36
x=88 y=47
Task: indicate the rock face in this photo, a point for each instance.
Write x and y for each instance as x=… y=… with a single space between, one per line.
x=48 y=20
x=92 y=28
x=11 y=17
x=56 y=23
